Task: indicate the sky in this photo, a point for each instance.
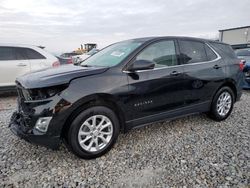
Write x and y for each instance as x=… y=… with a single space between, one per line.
x=62 y=25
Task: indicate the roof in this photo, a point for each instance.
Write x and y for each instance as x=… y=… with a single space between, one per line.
x=19 y=45
x=234 y=28
x=146 y=39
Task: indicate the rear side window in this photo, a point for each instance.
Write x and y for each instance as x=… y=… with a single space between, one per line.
x=210 y=54
x=192 y=51
x=225 y=48
x=20 y=53
x=7 y=53
x=32 y=54
x=162 y=53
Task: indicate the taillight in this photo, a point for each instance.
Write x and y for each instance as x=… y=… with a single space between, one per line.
x=56 y=64
x=70 y=61
x=242 y=64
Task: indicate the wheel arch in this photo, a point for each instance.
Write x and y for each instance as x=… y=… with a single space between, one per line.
x=229 y=83
x=99 y=99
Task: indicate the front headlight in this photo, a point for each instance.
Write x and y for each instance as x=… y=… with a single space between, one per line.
x=45 y=93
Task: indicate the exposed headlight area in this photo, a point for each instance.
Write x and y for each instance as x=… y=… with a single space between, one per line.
x=40 y=93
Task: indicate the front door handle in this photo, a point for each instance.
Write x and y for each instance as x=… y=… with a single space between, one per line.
x=21 y=65
x=175 y=73
x=216 y=67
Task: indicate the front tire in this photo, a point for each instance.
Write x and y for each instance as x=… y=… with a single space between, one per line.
x=93 y=132
x=222 y=104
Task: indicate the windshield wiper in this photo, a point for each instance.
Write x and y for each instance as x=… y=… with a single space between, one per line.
x=86 y=65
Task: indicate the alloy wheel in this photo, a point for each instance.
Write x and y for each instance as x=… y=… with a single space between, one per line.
x=224 y=103
x=95 y=133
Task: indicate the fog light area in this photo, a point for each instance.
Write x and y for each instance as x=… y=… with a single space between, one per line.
x=42 y=124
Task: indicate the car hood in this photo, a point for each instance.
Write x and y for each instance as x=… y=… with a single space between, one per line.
x=57 y=76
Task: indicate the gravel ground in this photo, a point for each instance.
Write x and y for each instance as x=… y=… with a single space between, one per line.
x=192 y=151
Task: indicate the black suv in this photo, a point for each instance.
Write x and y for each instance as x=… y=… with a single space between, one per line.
x=126 y=85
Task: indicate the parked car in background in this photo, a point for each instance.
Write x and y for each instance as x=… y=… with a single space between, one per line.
x=65 y=60
x=80 y=58
x=244 y=54
x=70 y=54
x=75 y=57
x=126 y=85
x=16 y=60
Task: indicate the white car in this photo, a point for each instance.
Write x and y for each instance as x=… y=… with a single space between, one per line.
x=16 y=60
x=79 y=58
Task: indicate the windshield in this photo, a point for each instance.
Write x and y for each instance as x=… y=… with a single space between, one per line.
x=112 y=55
x=93 y=51
x=243 y=52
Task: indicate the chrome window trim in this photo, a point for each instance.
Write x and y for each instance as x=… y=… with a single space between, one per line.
x=197 y=63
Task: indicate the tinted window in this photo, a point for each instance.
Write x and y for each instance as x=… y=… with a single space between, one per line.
x=32 y=54
x=225 y=48
x=20 y=53
x=192 y=51
x=162 y=53
x=7 y=53
x=244 y=52
x=210 y=54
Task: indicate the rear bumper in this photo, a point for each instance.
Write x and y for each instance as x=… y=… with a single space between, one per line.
x=18 y=127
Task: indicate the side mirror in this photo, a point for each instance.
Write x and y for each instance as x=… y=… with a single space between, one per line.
x=141 y=65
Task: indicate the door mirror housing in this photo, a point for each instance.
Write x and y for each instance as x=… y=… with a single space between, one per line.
x=141 y=65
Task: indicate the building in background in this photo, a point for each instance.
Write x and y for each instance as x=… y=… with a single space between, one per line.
x=237 y=37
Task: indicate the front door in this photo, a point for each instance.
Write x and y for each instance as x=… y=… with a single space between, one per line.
x=154 y=92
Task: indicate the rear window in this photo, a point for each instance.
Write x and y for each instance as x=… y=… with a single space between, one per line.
x=7 y=53
x=225 y=48
x=192 y=51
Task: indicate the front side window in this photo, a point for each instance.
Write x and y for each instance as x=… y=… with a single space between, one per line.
x=192 y=51
x=7 y=53
x=162 y=53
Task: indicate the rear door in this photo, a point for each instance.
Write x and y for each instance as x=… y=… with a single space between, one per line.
x=204 y=72
x=37 y=60
x=154 y=92
x=12 y=64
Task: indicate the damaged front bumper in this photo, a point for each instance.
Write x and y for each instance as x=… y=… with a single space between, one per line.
x=19 y=127
x=23 y=121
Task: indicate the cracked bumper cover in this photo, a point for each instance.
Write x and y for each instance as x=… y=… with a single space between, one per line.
x=18 y=127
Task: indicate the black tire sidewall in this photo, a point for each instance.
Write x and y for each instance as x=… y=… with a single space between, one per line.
x=214 y=113
x=78 y=121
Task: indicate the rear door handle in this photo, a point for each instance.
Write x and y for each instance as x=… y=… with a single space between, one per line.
x=175 y=73
x=216 y=67
x=21 y=65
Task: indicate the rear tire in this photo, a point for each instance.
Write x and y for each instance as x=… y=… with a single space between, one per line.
x=93 y=132
x=222 y=104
